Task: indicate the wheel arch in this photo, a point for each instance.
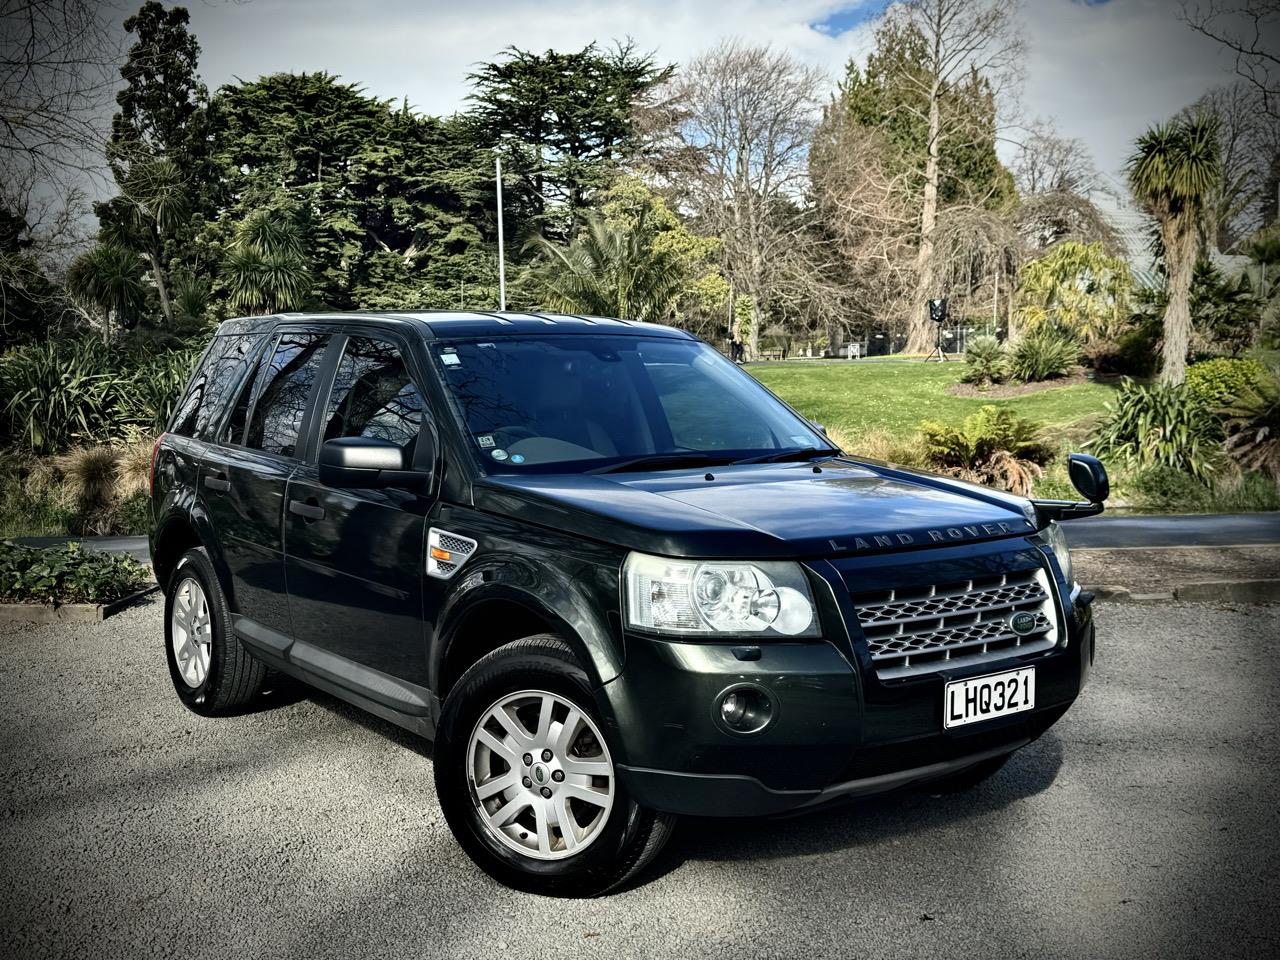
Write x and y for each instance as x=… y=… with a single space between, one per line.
x=490 y=615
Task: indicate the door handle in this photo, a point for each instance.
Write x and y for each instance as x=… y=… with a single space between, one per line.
x=217 y=484
x=307 y=511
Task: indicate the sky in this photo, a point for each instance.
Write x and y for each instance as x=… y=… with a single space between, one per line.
x=1102 y=70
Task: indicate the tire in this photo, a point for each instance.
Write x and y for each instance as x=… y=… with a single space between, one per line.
x=969 y=777
x=223 y=676
x=533 y=853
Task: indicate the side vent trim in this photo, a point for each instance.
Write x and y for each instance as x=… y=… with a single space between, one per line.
x=447 y=552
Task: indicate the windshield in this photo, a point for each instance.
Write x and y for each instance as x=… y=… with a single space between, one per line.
x=569 y=404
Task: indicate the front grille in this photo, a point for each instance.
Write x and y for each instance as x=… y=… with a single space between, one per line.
x=923 y=629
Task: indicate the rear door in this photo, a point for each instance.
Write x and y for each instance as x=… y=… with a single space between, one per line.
x=354 y=558
x=244 y=486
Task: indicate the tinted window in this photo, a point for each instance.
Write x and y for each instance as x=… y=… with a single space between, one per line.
x=233 y=431
x=282 y=401
x=569 y=402
x=373 y=395
x=224 y=365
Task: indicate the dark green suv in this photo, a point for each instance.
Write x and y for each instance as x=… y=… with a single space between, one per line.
x=613 y=577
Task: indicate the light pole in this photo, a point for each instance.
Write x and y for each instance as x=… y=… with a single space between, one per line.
x=502 y=268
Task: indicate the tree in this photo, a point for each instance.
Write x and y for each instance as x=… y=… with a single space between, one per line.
x=158 y=152
x=109 y=279
x=1172 y=174
x=564 y=120
x=1075 y=287
x=266 y=267
x=630 y=205
x=57 y=65
x=1049 y=163
x=737 y=158
x=973 y=42
x=1247 y=28
x=608 y=271
x=1249 y=142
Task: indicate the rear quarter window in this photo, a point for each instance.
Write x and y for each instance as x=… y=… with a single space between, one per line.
x=223 y=369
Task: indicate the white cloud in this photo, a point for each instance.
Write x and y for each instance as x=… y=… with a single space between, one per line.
x=1101 y=72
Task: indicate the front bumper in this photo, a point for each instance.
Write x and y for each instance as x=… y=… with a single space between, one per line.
x=839 y=731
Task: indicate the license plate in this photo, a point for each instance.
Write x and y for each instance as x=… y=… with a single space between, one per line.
x=984 y=698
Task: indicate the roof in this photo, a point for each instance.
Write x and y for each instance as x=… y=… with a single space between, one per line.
x=466 y=324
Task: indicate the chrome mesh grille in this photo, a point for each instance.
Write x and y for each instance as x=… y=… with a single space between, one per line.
x=917 y=630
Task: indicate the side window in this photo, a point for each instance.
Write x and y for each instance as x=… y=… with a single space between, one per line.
x=220 y=370
x=233 y=430
x=282 y=402
x=224 y=370
x=373 y=395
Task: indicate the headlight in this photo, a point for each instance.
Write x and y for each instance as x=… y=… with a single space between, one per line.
x=1056 y=539
x=699 y=597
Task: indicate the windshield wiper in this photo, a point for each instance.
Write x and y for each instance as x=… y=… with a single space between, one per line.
x=663 y=461
x=800 y=453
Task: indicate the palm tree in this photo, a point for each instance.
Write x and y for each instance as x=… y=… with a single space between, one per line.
x=266 y=267
x=109 y=277
x=1173 y=174
x=608 y=271
x=153 y=196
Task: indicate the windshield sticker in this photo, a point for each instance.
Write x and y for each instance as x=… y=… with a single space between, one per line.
x=800 y=441
x=499 y=454
x=517 y=458
x=485 y=440
x=450 y=359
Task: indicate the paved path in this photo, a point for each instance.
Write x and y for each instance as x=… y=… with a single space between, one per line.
x=1142 y=825
x=1198 y=530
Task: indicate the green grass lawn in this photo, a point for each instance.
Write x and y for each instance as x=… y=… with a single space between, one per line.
x=894 y=396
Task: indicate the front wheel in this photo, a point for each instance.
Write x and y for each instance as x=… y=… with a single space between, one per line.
x=527 y=782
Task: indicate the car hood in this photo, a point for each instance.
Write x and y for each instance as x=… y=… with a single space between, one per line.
x=761 y=510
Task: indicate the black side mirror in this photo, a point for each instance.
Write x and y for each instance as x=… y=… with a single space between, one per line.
x=820 y=427
x=367 y=462
x=1089 y=476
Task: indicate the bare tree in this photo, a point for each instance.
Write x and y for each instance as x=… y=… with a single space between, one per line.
x=1250 y=29
x=867 y=207
x=1047 y=162
x=57 y=74
x=737 y=156
x=963 y=38
x=1249 y=139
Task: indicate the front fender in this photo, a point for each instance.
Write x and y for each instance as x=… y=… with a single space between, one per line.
x=568 y=594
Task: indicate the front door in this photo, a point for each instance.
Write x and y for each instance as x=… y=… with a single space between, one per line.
x=354 y=558
x=244 y=484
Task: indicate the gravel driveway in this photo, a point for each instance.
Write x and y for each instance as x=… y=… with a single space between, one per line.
x=1144 y=824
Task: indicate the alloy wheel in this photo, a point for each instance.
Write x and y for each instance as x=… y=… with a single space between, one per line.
x=540 y=775
x=190 y=632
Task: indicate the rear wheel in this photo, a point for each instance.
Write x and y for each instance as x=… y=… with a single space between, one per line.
x=211 y=671
x=527 y=782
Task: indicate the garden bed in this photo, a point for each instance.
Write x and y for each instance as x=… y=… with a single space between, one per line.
x=71 y=612
x=1001 y=391
x=67 y=584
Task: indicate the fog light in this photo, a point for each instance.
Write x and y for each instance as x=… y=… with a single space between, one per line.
x=744 y=709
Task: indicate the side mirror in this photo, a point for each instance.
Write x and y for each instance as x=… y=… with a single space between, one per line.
x=820 y=427
x=1089 y=476
x=367 y=462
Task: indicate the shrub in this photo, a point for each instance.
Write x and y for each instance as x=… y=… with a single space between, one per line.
x=1215 y=382
x=1253 y=426
x=1138 y=349
x=1043 y=355
x=1159 y=425
x=65 y=574
x=880 y=445
x=986 y=361
x=63 y=392
x=993 y=446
